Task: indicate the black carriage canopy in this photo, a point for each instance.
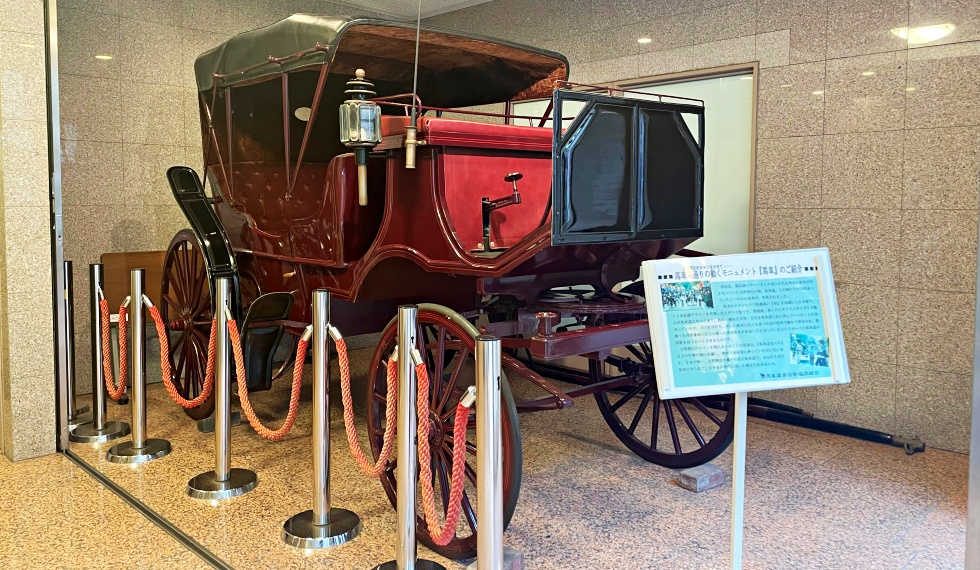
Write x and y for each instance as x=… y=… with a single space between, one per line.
x=455 y=69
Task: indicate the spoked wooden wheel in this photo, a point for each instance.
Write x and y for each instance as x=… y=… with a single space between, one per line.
x=677 y=433
x=186 y=308
x=449 y=349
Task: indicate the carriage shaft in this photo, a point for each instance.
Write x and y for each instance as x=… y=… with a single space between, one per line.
x=589 y=341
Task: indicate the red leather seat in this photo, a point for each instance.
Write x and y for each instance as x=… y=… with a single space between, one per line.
x=260 y=190
x=451 y=132
x=394 y=125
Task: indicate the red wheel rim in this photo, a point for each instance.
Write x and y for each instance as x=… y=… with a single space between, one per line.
x=185 y=305
x=447 y=346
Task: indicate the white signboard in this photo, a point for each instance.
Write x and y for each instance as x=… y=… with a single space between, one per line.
x=746 y=322
x=739 y=323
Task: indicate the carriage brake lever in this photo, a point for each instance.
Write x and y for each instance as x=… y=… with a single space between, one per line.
x=489 y=205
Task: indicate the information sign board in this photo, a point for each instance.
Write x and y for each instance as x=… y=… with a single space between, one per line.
x=746 y=322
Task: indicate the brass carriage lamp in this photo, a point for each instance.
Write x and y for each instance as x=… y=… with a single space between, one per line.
x=360 y=127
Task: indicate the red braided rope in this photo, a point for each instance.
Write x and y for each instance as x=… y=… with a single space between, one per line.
x=110 y=384
x=440 y=534
x=167 y=376
x=370 y=469
x=267 y=433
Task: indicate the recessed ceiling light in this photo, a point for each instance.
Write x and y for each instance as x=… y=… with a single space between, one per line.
x=818 y=92
x=786 y=85
x=103 y=57
x=644 y=40
x=910 y=88
x=924 y=34
x=867 y=73
x=28 y=46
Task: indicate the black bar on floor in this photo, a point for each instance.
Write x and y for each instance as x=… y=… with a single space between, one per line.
x=154 y=517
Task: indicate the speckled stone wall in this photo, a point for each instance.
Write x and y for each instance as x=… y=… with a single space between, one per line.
x=127 y=119
x=866 y=144
x=27 y=409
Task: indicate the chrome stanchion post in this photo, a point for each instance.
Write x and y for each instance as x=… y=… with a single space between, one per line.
x=407 y=442
x=324 y=526
x=74 y=414
x=140 y=449
x=99 y=430
x=225 y=481
x=490 y=552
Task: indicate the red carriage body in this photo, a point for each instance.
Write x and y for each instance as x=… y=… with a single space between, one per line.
x=614 y=181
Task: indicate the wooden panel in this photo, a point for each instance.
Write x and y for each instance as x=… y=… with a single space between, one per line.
x=117 y=274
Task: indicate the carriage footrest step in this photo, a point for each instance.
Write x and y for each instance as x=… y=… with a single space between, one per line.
x=702 y=478
x=513 y=560
x=207 y=424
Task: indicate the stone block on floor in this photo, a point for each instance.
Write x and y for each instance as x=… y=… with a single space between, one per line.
x=702 y=478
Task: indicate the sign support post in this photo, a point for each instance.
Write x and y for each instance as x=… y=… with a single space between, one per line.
x=738 y=476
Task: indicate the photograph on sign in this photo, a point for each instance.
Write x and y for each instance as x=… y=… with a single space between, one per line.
x=746 y=322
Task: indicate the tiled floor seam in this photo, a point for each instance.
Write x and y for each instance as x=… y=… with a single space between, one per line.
x=183 y=539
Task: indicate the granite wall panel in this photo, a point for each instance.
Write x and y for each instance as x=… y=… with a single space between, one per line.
x=27 y=392
x=867 y=144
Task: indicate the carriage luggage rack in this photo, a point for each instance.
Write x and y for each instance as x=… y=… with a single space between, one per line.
x=612 y=90
x=389 y=100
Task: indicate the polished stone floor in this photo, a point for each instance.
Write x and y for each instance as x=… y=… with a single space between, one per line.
x=812 y=500
x=56 y=516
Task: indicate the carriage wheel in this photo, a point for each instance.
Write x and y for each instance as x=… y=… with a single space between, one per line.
x=186 y=307
x=449 y=350
x=678 y=433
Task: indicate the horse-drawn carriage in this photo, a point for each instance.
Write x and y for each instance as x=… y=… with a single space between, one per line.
x=524 y=232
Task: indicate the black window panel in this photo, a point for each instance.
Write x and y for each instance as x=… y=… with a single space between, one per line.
x=598 y=188
x=671 y=200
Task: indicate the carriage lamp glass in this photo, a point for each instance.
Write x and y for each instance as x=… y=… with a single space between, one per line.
x=360 y=126
x=360 y=123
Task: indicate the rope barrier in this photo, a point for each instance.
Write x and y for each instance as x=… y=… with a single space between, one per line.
x=256 y=423
x=167 y=375
x=110 y=384
x=444 y=533
x=440 y=534
x=373 y=470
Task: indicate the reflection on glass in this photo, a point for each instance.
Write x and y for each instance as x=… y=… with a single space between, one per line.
x=924 y=34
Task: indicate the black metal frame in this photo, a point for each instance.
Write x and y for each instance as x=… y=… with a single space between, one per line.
x=637 y=183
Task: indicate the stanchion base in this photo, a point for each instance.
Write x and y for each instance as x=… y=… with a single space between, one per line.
x=420 y=564
x=207 y=424
x=206 y=486
x=513 y=560
x=126 y=453
x=79 y=420
x=300 y=532
x=88 y=434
